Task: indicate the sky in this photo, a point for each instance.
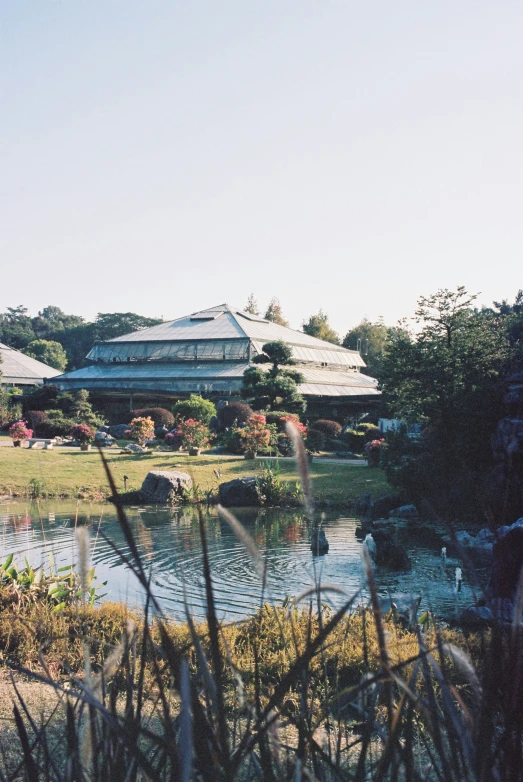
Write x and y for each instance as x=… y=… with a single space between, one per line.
x=163 y=157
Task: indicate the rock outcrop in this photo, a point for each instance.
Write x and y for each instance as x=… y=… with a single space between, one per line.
x=239 y=492
x=161 y=486
x=319 y=543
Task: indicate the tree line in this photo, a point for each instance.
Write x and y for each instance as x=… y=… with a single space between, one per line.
x=63 y=341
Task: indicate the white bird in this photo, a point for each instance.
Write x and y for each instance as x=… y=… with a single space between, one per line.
x=370 y=545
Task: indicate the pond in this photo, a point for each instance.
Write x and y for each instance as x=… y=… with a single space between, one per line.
x=169 y=542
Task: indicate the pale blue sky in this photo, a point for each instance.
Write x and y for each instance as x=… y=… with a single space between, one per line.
x=163 y=157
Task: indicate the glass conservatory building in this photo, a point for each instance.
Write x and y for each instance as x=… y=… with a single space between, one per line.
x=207 y=353
x=17 y=369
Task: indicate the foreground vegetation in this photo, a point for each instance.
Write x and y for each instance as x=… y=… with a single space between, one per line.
x=290 y=693
x=59 y=473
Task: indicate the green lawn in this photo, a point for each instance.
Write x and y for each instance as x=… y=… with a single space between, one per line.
x=67 y=473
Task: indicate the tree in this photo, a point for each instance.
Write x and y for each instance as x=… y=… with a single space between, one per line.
x=276 y=388
x=448 y=376
x=318 y=326
x=47 y=351
x=274 y=313
x=52 y=322
x=371 y=340
x=15 y=328
x=252 y=305
x=109 y=325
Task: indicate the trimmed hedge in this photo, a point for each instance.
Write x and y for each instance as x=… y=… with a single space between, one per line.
x=234 y=413
x=159 y=415
x=329 y=428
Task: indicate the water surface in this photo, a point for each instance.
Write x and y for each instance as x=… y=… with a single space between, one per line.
x=169 y=542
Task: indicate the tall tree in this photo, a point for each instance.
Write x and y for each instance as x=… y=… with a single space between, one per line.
x=252 y=305
x=371 y=340
x=448 y=374
x=274 y=313
x=277 y=388
x=16 y=329
x=318 y=326
x=52 y=322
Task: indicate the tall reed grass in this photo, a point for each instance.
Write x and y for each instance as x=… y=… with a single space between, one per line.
x=270 y=699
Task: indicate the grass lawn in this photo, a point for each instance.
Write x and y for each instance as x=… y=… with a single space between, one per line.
x=69 y=473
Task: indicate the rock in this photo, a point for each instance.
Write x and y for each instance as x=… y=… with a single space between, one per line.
x=160 y=432
x=105 y=429
x=319 y=542
x=134 y=448
x=404 y=604
x=363 y=505
x=216 y=449
x=118 y=431
x=404 y=512
x=476 y=616
x=507 y=561
x=100 y=436
x=161 y=486
x=383 y=505
x=239 y=492
x=392 y=555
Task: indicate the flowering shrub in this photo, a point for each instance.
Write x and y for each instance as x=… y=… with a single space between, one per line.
x=284 y=443
x=19 y=431
x=302 y=429
x=172 y=439
x=82 y=433
x=192 y=434
x=373 y=451
x=160 y=416
x=142 y=429
x=255 y=435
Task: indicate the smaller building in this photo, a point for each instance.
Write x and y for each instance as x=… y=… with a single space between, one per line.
x=17 y=369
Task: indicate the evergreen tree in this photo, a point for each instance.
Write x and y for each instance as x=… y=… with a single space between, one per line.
x=276 y=388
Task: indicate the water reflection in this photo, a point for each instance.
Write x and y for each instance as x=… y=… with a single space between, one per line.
x=169 y=542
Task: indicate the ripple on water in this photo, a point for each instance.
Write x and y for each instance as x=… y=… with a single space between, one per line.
x=170 y=544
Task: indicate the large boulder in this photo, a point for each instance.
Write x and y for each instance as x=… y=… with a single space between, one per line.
x=319 y=543
x=381 y=507
x=404 y=605
x=161 y=486
x=239 y=492
x=119 y=430
x=404 y=512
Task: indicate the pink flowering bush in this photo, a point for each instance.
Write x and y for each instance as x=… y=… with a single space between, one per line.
x=19 y=431
x=255 y=435
x=373 y=451
x=284 y=443
x=302 y=429
x=192 y=434
x=83 y=433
